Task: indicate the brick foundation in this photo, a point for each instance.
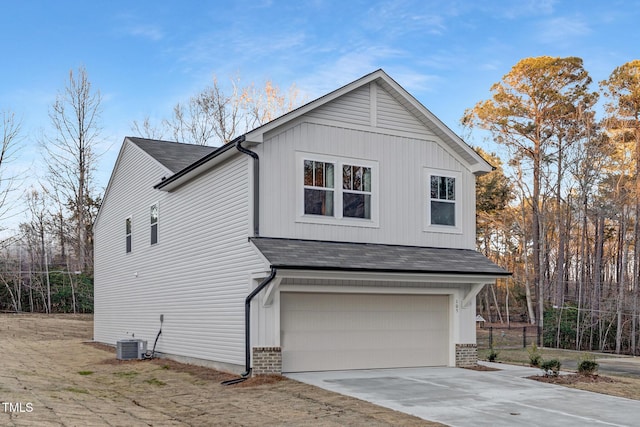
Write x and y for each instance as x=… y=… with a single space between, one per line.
x=466 y=355
x=267 y=360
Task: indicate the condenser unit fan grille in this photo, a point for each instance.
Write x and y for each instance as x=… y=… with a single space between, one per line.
x=131 y=349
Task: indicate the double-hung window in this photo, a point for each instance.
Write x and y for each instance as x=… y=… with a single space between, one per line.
x=337 y=190
x=154 y=223
x=356 y=191
x=442 y=200
x=319 y=178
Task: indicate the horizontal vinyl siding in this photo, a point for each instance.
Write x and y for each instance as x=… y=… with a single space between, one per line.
x=350 y=108
x=197 y=275
x=401 y=161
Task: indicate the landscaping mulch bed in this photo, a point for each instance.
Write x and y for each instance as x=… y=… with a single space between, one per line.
x=481 y=368
x=571 y=379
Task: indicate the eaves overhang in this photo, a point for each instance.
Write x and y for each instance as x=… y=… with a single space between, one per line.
x=374 y=259
x=205 y=163
x=385 y=275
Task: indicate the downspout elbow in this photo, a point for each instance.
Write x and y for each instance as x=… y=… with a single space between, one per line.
x=247 y=319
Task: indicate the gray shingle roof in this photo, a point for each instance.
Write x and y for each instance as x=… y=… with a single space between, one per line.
x=175 y=156
x=322 y=255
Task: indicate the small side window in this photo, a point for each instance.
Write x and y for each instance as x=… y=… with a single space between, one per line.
x=154 y=223
x=128 y=234
x=443 y=200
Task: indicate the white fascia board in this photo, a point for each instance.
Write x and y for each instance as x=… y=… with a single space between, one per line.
x=199 y=170
x=126 y=142
x=457 y=279
x=482 y=166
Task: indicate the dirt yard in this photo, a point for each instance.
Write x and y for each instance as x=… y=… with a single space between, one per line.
x=51 y=376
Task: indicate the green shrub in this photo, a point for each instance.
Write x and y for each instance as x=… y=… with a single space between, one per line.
x=587 y=365
x=551 y=367
x=493 y=355
x=535 y=358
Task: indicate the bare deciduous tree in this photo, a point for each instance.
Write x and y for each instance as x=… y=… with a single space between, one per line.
x=215 y=117
x=70 y=154
x=146 y=129
x=10 y=129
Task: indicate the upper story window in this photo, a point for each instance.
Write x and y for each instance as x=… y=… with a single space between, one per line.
x=318 y=187
x=356 y=194
x=128 y=234
x=154 y=223
x=443 y=204
x=337 y=190
x=443 y=200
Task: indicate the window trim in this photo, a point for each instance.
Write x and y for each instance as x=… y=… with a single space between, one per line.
x=337 y=218
x=128 y=237
x=426 y=200
x=152 y=224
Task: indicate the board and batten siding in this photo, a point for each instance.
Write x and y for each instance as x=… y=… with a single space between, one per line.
x=367 y=124
x=198 y=274
x=402 y=191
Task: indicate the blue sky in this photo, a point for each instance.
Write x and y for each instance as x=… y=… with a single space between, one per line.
x=145 y=56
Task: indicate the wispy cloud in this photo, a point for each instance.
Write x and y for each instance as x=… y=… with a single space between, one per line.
x=526 y=8
x=414 y=82
x=347 y=67
x=133 y=25
x=397 y=18
x=148 y=32
x=562 y=30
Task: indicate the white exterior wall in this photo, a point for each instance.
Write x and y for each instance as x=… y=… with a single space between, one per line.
x=402 y=188
x=197 y=275
x=468 y=320
x=401 y=145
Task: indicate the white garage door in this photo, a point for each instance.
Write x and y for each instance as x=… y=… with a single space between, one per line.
x=362 y=331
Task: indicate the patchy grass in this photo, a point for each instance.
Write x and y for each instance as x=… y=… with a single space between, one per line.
x=155 y=381
x=126 y=374
x=618 y=386
x=77 y=390
x=129 y=392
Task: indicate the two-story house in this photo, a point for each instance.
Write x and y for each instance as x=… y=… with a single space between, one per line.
x=338 y=236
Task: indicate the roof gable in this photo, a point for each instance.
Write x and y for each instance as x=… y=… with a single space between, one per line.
x=392 y=95
x=356 y=96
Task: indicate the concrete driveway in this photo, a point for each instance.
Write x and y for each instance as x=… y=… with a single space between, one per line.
x=462 y=397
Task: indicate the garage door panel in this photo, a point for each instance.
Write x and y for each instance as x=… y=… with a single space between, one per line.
x=336 y=340
x=354 y=331
x=376 y=321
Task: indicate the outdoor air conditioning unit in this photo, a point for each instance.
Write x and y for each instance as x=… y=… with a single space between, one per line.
x=131 y=349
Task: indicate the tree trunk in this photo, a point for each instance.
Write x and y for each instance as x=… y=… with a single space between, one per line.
x=536 y=244
x=495 y=301
x=622 y=277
